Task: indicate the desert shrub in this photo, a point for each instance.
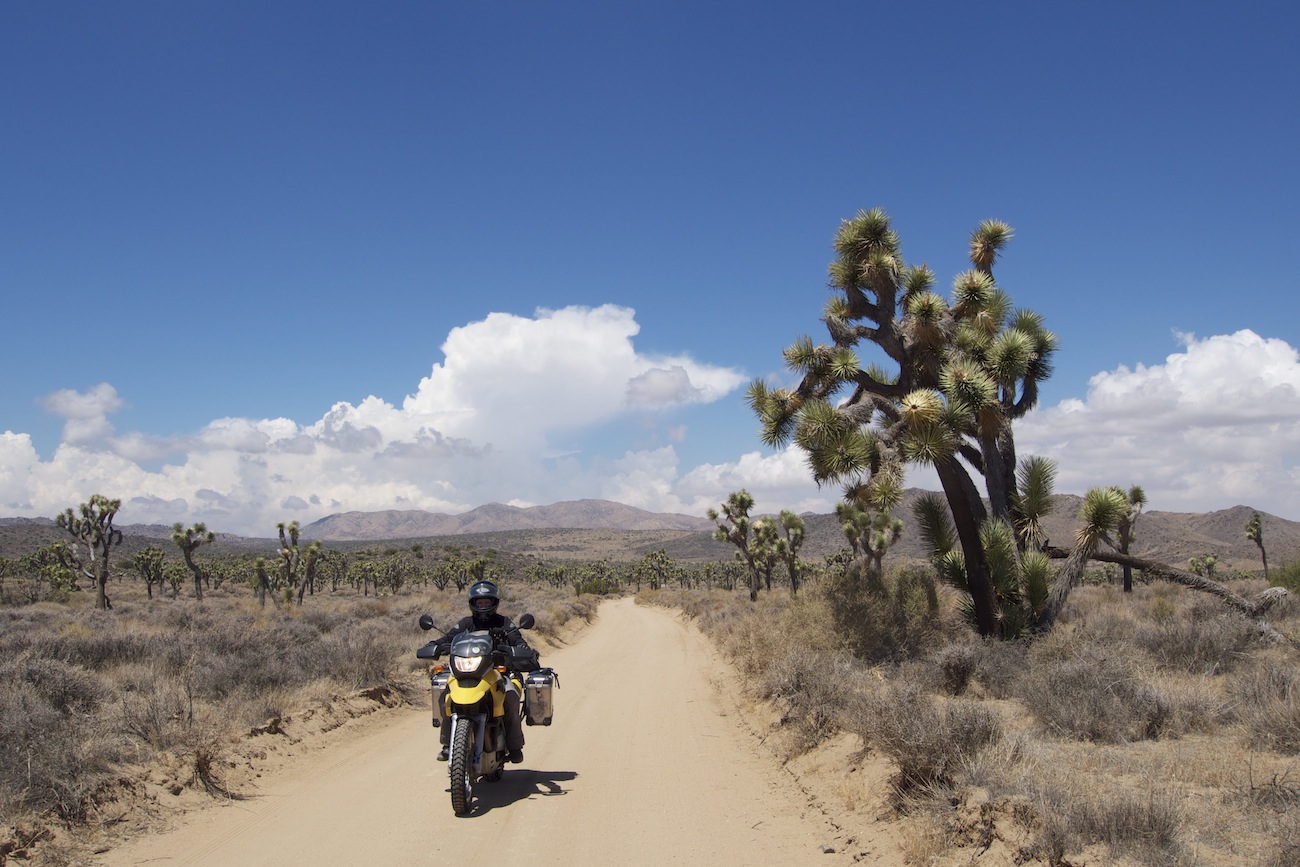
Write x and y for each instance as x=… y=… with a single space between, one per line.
x=956 y=664
x=995 y=665
x=1269 y=706
x=1078 y=689
x=1287 y=576
x=886 y=621
x=63 y=687
x=1210 y=644
x=1000 y=665
x=1144 y=826
x=362 y=654
x=812 y=694
x=154 y=708
x=928 y=739
x=53 y=756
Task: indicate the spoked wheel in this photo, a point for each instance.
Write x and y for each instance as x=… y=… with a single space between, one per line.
x=461 y=764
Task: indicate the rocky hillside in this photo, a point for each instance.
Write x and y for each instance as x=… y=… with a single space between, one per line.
x=496 y=518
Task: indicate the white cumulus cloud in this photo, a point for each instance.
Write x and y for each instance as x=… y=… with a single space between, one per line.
x=1216 y=425
x=512 y=411
x=495 y=420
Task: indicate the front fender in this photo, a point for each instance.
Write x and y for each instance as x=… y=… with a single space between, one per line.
x=469 y=696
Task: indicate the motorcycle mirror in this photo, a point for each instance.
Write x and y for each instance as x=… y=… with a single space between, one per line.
x=426 y=622
x=526 y=622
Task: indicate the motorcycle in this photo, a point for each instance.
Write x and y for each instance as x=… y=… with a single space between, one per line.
x=472 y=688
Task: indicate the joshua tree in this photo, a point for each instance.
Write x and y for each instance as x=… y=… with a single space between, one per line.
x=787 y=548
x=1136 y=498
x=1100 y=515
x=735 y=526
x=263 y=578
x=1255 y=533
x=149 y=564
x=1204 y=565
x=870 y=534
x=297 y=567
x=657 y=566
x=93 y=527
x=190 y=539
x=766 y=548
x=960 y=372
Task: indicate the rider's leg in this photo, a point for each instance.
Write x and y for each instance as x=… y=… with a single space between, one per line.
x=514 y=728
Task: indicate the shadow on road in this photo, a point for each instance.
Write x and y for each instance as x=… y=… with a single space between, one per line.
x=519 y=785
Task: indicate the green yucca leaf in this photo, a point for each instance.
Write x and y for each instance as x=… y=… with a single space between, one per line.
x=972 y=291
x=844 y=274
x=819 y=424
x=966 y=610
x=865 y=233
x=1101 y=510
x=999 y=544
x=1036 y=579
x=886 y=490
x=801 y=356
x=924 y=406
x=918 y=279
x=969 y=384
x=998 y=306
x=879 y=374
x=1035 y=482
x=987 y=241
x=970 y=340
x=934 y=524
x=843 y=364
x=837 y=307
x=1028 y=321
x=1009 y=355
x=927 y=444
x=1013 y=621
x=952 y=570
x=925 y=306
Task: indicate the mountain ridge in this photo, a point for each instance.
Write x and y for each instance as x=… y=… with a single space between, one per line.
x=603 y=529
x=585 y=514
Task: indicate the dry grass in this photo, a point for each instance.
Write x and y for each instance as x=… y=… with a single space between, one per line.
x=87 y=695
x=1147 y=728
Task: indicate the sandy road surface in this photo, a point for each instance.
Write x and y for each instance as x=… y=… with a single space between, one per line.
x=645 y=765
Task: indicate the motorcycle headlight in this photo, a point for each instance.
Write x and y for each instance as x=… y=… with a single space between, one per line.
x=467 y=664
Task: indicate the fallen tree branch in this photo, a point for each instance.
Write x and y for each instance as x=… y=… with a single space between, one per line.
x=1254 y=608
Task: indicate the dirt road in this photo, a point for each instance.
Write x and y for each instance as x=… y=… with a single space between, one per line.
x=647 y=764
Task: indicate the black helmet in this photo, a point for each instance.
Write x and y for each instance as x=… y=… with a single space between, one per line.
x=484 y=599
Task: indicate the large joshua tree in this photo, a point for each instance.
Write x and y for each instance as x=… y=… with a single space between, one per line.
x=189 y=540
x=92 y=526
x=948 y=378
x=735 y=526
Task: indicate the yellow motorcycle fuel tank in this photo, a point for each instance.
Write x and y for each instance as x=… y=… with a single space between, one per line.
x=474 y=691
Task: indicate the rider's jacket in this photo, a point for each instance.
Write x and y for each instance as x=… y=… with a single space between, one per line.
x=503 y=630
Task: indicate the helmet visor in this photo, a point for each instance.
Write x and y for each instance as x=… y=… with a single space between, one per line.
x=483 y=603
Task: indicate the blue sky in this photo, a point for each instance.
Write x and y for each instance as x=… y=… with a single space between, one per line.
x=270 y=261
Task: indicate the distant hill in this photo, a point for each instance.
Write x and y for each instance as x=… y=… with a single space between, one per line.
x=496 y=518
x=600 y=529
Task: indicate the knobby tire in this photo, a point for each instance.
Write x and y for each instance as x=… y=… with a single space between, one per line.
x=461 y=763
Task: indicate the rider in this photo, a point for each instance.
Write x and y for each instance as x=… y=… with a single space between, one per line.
x=484 y=597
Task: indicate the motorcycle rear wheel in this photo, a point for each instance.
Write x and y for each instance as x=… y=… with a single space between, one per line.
x=460 y=765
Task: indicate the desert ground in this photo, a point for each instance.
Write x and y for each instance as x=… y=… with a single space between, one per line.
x=654 y=758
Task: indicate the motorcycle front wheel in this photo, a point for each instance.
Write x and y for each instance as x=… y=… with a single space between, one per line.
x=461 y=763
